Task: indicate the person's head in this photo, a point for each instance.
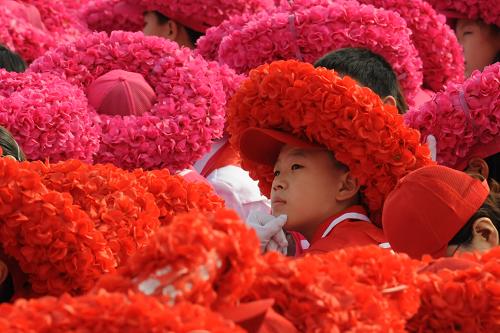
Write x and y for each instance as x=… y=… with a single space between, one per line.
x=309 y=185
x=434 y=209
x=11 y=61
x=9 y=146
x=368 y=69
x=157 y=24
x=121 y=93
x=481 y=43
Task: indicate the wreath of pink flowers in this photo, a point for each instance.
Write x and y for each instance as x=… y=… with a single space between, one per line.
x=110 y=15
x=437 y=45
x=201 y=15
x=180 y=127
x=464 y=119
x=21 y=36
x=48 y=117
x=486 y=10
x=308 y=33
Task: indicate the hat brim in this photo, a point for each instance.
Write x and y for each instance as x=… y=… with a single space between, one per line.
x=263 y=146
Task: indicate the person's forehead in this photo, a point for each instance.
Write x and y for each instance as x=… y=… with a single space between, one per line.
x=464 y=23
x=290 y=151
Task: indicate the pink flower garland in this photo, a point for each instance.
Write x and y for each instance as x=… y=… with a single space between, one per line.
x=319 y=30
x=437 y=45
x=464 y=119
x=486 y=10
x=48 y=116
x=180 y=127
x=110 y=15
x=20 y=36
x=201 y=15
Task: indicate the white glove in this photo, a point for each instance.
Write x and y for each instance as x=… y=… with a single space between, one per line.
x=269 y=229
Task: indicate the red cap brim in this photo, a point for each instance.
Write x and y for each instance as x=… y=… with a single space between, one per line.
x=264 y=145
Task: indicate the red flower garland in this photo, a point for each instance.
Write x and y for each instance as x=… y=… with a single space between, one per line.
x=316 y=104
x=204 y=260
x=69 y=223
x=112 y=313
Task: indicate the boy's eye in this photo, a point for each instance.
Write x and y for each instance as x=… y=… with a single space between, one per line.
x=296 y=166
x=276 y=173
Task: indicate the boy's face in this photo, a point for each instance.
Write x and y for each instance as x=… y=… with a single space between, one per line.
x=480 y=43
x=305 y=186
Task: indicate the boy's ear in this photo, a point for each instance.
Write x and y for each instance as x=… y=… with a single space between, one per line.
x=478 y=165
x=349 y=187
x=390 y=100
x=484 y=234
x=170 y=30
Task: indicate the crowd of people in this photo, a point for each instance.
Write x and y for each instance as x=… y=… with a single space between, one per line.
x=249 y=166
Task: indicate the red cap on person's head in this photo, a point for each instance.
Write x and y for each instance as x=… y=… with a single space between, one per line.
x=123 y=93
x=429 y=207
x=264 y=145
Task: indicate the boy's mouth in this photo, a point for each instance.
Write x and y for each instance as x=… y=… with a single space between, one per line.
x=278 y=201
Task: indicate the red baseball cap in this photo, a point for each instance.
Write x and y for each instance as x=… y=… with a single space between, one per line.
x=428 y=208
x=264 y=145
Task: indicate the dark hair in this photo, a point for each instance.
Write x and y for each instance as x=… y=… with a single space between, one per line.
x=493 y=162
x=11 y=61
x=489 y=209
x=369 y=69
x=7 y=290
x=193 y=35
x=9 y=145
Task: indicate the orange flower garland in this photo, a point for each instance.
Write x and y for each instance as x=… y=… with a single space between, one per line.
x=69 y=223
x=207 y=260
x=110 y=313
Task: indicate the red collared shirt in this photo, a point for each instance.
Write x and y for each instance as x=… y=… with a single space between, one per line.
x=351 y=227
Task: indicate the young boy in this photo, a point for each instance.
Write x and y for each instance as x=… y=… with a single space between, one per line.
x=326 y=150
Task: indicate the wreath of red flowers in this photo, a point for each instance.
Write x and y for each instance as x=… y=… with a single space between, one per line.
x=486 y=10
x=68 y=223
x=111 y=15
x=180 y=127
x=204 y=259
x=105 y=312
x=318 y=105
x=437 y=45
x=306 y=32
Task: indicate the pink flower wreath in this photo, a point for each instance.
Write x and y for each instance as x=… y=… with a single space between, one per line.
x=437 y=45
x=48 y=117
x=309 y=32
x=179 y=128
x=111 y=15
x=464 y=119
x=486 y=10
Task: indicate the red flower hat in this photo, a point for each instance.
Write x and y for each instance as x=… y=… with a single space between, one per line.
x=200 y=15
x=207 y=260
x=113 y=313
x=485 y=10
x=67 y=224
x=190 y=108
x=464 y=119
x=317 y=105
x=111 y=15
x=307 y=32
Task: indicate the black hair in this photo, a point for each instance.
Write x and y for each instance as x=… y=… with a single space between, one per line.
x=192 y=34
x=369 y=69
x=7 y=290
x=9 y=145
x=493 y=162
x=489 y=209
x=11 y=61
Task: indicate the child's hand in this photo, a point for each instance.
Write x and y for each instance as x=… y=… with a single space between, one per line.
x=269 y=229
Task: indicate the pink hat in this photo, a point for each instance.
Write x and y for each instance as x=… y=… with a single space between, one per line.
x=464 y=119
x=179 y=128
x=200 y=15
x=486 y=10
x=308 y=32
x=121 y=93
x=111 y=15
x=437 y=44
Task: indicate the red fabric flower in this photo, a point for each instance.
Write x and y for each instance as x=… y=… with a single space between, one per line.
x=318 y=105
x=207 y=260
x=111 y=313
